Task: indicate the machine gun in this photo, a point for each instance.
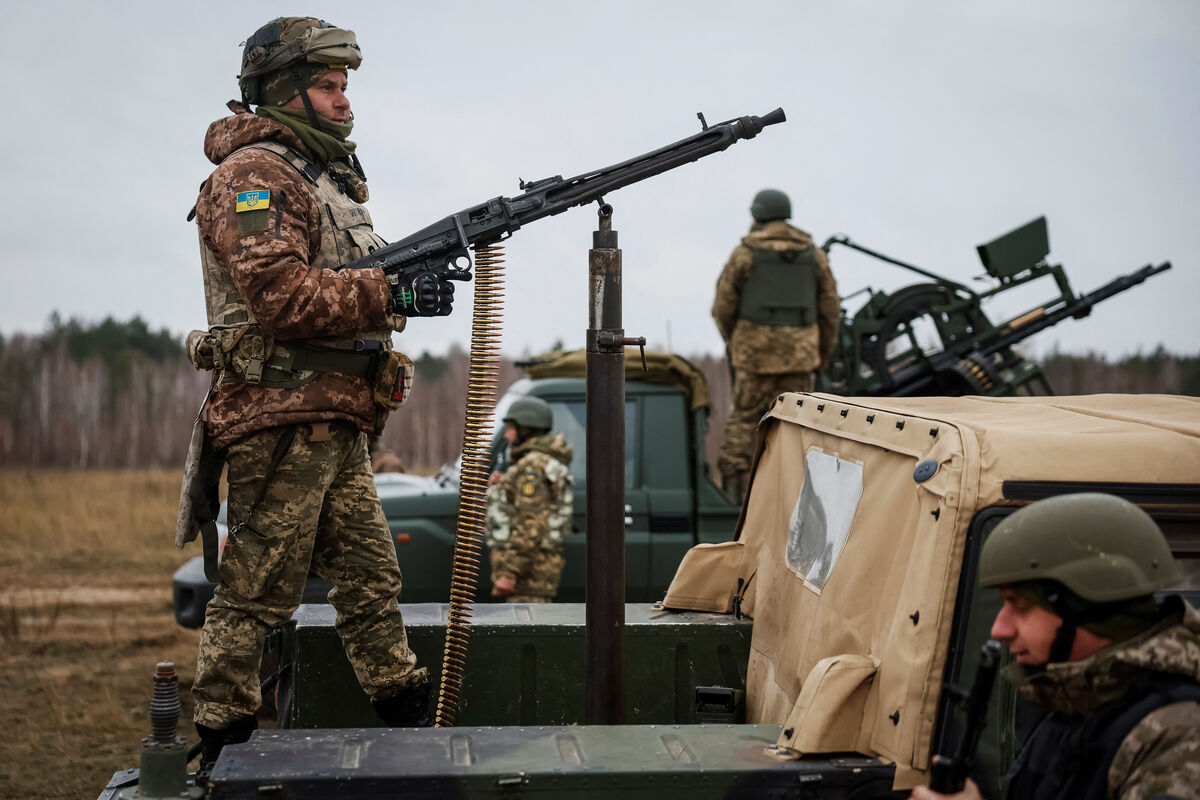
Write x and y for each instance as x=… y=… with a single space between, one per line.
x=934 y=339
x=442 y=249
x=950 y=772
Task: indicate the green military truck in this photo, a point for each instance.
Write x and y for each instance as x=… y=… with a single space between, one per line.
x=805 y=657
x=671 y=502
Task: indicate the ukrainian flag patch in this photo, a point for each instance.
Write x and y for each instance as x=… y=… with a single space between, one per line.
x=255 y=200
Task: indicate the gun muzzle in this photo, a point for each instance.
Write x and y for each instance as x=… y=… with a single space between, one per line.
x=773 y=118
x=751 y=126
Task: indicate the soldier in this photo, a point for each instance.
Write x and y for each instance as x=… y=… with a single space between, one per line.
x=777 y=309
x=1118 y=672
x=303 y=374
x=530 y=508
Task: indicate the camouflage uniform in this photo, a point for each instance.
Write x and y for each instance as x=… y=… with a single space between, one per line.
x=529 y=517
x=272 y=289
x=769 y=359
x=1160 y=754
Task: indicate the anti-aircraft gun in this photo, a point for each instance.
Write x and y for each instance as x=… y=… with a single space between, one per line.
x=934 y=338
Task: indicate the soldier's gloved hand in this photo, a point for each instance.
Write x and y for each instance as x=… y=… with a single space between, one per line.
x=425 y=296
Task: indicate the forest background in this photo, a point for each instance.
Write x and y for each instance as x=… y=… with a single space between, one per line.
x=116 y=394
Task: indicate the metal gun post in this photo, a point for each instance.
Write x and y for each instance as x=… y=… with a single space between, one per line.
x=605 y=588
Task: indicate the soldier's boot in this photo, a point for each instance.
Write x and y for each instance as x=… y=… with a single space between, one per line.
x=409 y=708
x=734 y=483
x=213 y=740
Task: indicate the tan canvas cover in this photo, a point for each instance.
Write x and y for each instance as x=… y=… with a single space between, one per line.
x=662 y=368
x=850 y=635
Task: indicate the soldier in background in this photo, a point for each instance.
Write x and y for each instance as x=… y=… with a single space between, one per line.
x=304 y=372
x=530 y=507
x=1118 y=671
x=778 y=311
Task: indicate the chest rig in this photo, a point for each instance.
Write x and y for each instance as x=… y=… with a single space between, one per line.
x=239 y=349
x=781 y=289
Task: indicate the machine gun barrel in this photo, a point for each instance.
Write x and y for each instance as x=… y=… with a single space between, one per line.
x=442 y=248
x=917 y=378
x=1039 y=319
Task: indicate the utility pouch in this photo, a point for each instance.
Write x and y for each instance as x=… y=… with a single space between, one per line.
x=200 y=349
x=393 y=380
x=250 y=354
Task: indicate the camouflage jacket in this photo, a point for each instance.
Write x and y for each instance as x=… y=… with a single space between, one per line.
x=775 y=348
x=283 y=271
x=532 y=513
x=1160 y=756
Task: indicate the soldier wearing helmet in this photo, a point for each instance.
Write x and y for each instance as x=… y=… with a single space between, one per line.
x=304 y=373
x=777 y=309
x=1117 y=671
x=530 y=508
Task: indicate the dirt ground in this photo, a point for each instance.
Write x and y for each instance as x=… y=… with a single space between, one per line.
x=85 y=615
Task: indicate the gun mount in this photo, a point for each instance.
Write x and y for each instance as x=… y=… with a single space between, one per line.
x=934 y=339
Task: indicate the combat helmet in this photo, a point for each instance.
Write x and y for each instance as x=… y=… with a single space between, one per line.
x=1092 y=559
x=1101 y=547
x=293 y=42
x=531 y=414
x=770 y=205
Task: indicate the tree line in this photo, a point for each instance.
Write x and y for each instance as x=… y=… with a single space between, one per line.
x=118 y=395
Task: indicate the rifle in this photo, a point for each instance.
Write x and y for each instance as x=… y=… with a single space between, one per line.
x=441 y=249
x=949 y=772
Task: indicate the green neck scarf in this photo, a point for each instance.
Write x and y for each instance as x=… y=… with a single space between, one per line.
x=326 y=144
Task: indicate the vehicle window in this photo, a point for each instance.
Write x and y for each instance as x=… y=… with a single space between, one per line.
x=570 y=419
x=821 y=519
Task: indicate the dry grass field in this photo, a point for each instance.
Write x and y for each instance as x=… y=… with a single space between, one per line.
x=85 y=614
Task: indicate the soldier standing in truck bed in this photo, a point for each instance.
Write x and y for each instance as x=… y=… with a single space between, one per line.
x=304 y=372
x=530 y=508
x=777 y=309
x=1117 y=670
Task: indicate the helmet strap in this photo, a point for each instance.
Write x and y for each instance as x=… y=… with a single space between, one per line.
x=1064 y=642
x=1064 y=637
x=313 y=117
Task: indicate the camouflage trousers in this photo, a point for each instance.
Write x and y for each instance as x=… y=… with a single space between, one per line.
x=753 y=393
x=319 y=510
x=539 y=584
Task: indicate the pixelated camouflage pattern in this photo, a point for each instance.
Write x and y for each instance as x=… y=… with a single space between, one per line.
x=775 y=349
x=280 y=87
x=753 y=394
x=320 y=512
x=1161 y=755
x=306 y=40
x=284 y=273
x=531 y=516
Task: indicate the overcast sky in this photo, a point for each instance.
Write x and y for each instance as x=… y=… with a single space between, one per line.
x=920 y=129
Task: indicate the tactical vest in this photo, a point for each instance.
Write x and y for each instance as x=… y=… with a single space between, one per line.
x=240 y=349
x=781 y=289
x=1069 y=757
